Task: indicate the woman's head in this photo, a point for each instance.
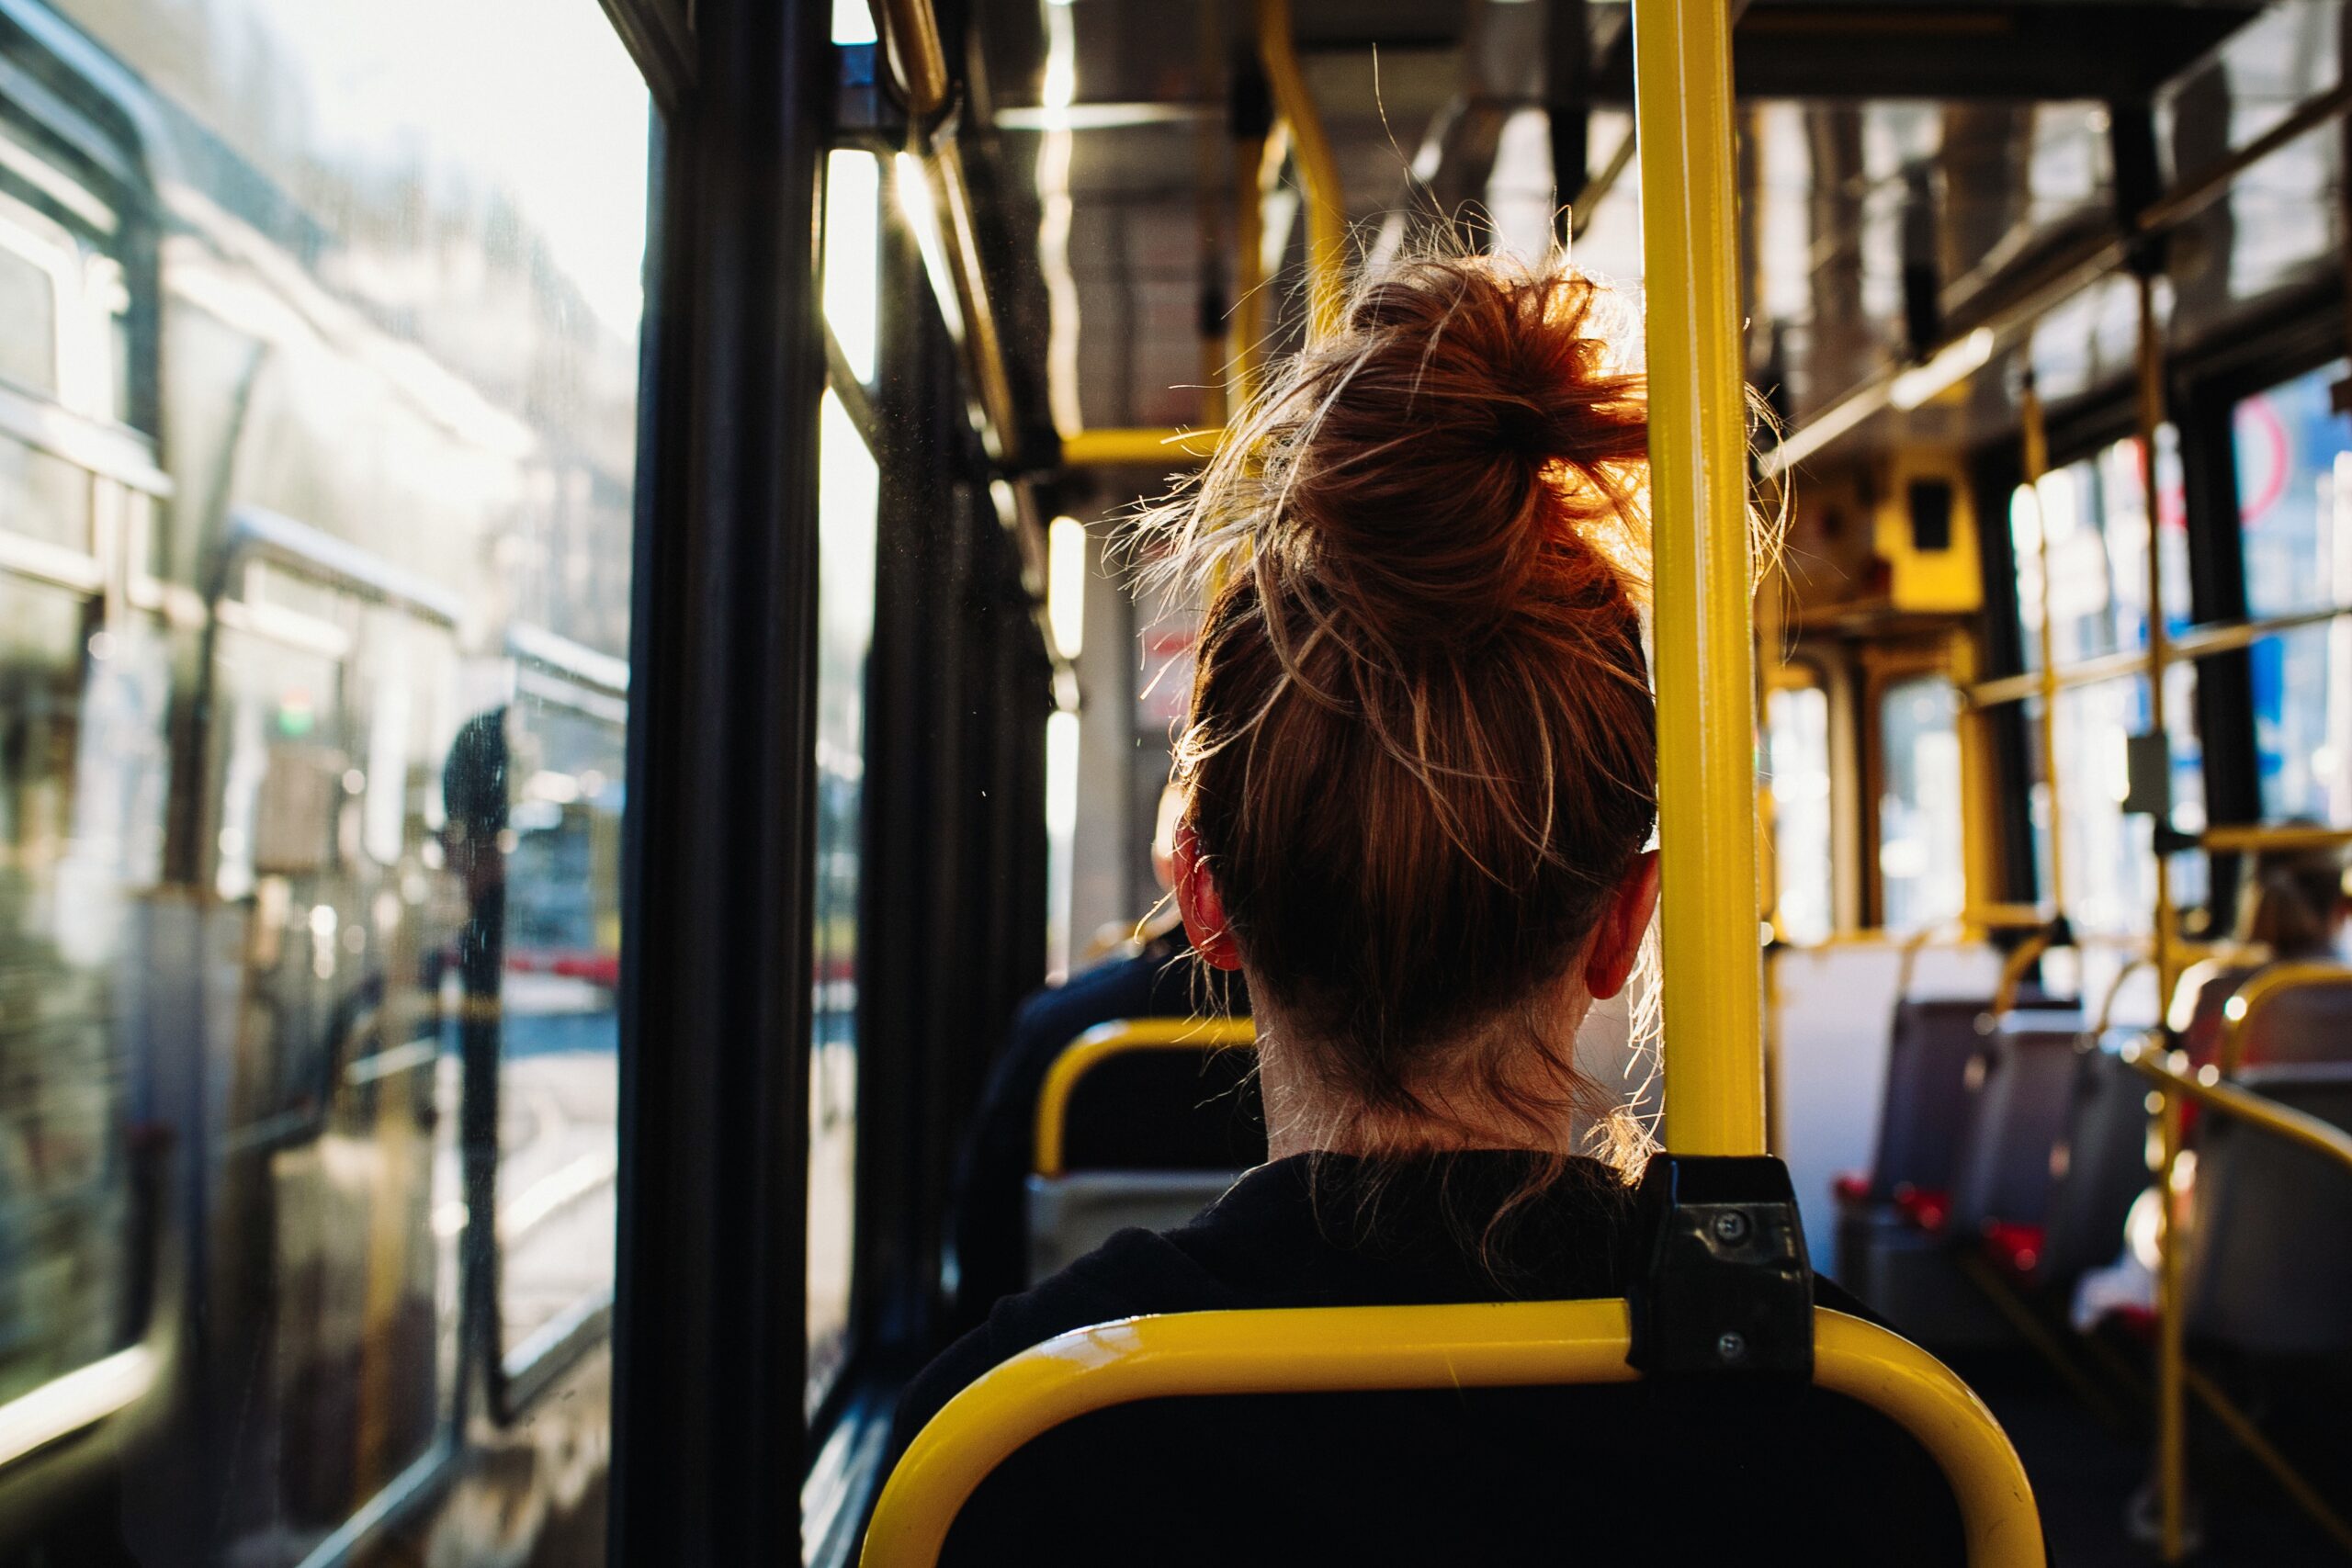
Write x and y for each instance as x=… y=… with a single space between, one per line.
x=1422 y=747
x=2295 y=901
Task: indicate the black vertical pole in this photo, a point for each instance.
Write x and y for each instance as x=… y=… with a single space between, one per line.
x=708 y=1335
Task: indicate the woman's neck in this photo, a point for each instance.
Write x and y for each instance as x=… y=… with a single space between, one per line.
x=1307 y=1112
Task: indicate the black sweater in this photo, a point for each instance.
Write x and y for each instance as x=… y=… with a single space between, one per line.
x=1618 y=1474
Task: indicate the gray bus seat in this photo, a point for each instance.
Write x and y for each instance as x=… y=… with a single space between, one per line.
x=2303 y=1022
x=2268 y=1272
x=1073 y=1213
x=2018 y=1089
x=2101 y=1166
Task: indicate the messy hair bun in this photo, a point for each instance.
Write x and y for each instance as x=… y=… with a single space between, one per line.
x=1422 y=746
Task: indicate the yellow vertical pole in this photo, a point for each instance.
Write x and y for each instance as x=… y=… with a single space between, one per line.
x=2172 y=1335
x=1706 y=647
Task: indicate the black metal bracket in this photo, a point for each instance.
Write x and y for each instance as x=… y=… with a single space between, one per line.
x=1719 y=1282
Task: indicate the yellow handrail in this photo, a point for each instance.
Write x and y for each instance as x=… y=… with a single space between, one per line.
x=1083 y=1055
x=2239 y=836
x=2211 y=1087
x=1318 y=170
x=2176 y=1084
x=1113 y=448
x=2013 y=969
x=1706 y=684
x=1485 y=1344
x=2258 y=992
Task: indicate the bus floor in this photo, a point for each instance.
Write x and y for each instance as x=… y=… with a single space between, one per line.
x=2086 y=1471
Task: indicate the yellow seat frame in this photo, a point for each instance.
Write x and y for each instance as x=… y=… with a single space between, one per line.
x=1714 y=1098
x=1090 y=1050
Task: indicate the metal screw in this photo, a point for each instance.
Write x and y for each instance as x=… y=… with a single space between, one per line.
x=1731 y=1228
x=1731 y=1346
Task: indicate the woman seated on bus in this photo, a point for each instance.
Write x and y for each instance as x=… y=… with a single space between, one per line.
x=2293 y=910
x=1422 y=752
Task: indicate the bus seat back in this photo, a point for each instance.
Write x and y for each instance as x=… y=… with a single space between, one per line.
x=2267 y=1271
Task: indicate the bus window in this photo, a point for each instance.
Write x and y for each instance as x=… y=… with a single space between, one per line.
x=1921 y=867
x=848 y=491
x=2110 y=885
x=2294 y=460
x=28 y=317
x=312 y=796
x=1796 y=755
x=2097 y=520
x=65 y=1180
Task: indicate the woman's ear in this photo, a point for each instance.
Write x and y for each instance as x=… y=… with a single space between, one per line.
x=1204 y=910
x=1617 y=936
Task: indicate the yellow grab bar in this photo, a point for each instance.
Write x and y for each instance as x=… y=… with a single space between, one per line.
x=1116 y=448
x=1082 y=1054
x=1326 y=198
x=2016 y=966
x=1485 y=1345
x=1704 y=629
x=2209 y=1087
x=2259 y=992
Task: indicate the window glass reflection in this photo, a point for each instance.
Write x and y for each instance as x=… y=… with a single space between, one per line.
x=311 y=719
x=848 y=491
x=1921 y=867
x=2095 y=516
x=1796 y=729
x=2294 y=462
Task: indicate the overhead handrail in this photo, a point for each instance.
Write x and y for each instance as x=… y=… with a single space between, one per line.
x=1318 y=170
x=2258 y=992
x=1098 y=1044
x=1485 y=1345
x=1326 y=253
x=918 y=56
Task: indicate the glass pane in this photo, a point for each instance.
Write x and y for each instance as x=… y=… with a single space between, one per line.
x=2095 y=513
x=2110 y=877
x=850 y=487
x=28 y=321
x=1920 y=863
x=2303 y=723
x=359 y=806
x=559 y=1079
x=43 y=497
x=67 y=1207
x=853 y=256
x=2294 y=462
x=1796 y=729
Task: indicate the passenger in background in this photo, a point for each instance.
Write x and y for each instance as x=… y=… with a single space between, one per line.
x=1155 y=980
x=2293 y=911
x=1423 y=758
